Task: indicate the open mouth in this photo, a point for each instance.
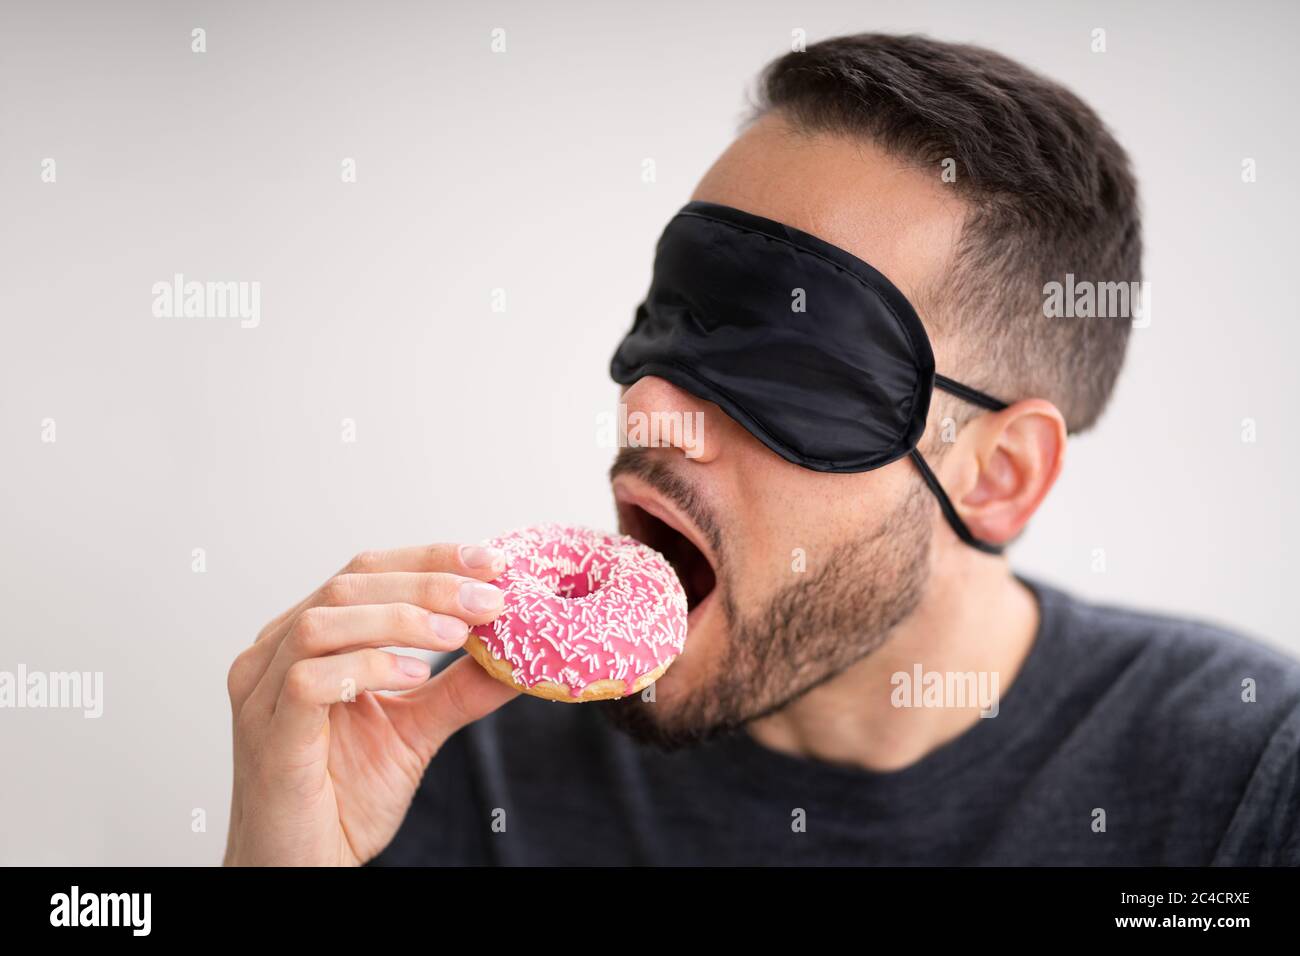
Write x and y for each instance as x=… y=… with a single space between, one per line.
x=653 y=523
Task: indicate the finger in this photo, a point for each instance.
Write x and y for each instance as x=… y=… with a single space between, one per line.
x=330 y=630
x=473 y=601
x=312 y=686
x=470 y=560
x=462 y=693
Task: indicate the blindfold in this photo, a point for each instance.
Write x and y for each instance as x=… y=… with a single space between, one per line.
x=807 y=347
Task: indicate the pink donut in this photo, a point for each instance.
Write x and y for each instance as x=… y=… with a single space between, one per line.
x=588 y=616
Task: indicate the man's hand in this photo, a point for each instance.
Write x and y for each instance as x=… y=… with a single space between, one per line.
x=325 y=768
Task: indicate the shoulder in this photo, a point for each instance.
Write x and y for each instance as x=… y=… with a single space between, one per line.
x=1178 y=662
x=1193 y=702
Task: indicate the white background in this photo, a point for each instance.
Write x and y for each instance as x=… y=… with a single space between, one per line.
x=519 y=171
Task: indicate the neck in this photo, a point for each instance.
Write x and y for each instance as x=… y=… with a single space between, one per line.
x=975 y=617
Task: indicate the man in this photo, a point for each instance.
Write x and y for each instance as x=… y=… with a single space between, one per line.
x=803 y=723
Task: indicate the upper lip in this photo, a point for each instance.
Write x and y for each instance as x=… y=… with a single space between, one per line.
x=629 y=490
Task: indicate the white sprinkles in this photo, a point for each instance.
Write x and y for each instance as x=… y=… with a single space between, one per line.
x=583 y=606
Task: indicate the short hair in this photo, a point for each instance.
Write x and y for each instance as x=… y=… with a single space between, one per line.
x=1049 y=190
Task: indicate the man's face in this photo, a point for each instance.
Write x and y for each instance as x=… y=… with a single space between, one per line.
x=791 y=574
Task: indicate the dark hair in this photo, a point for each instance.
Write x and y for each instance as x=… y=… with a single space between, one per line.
x=1049 y=189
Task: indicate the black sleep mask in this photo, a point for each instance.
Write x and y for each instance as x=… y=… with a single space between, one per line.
x=811 y=350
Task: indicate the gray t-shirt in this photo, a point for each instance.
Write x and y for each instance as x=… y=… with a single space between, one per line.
x=1127 y=719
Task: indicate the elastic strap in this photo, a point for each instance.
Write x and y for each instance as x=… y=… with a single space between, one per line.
x=966 y=393
x=958 y=526
x=949 y=512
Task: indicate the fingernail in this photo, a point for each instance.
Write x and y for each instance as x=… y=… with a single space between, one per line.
x=449 y=628
x=475 y=556
x=481 y=598
x=412 y=667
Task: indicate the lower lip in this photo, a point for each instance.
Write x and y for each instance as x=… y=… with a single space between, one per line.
x=693 y=618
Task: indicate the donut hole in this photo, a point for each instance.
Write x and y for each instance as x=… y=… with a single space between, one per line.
x=572 y=585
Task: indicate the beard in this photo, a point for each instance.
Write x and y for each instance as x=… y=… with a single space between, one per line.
x=795 y=639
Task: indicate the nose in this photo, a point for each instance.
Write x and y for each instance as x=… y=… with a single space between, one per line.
x=659 y=414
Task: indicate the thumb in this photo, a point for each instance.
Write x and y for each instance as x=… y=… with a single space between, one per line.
x=461 y=694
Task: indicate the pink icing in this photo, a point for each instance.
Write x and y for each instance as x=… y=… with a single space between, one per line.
x=582 y=606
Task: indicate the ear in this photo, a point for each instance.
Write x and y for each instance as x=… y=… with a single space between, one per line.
x=1013 y=458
